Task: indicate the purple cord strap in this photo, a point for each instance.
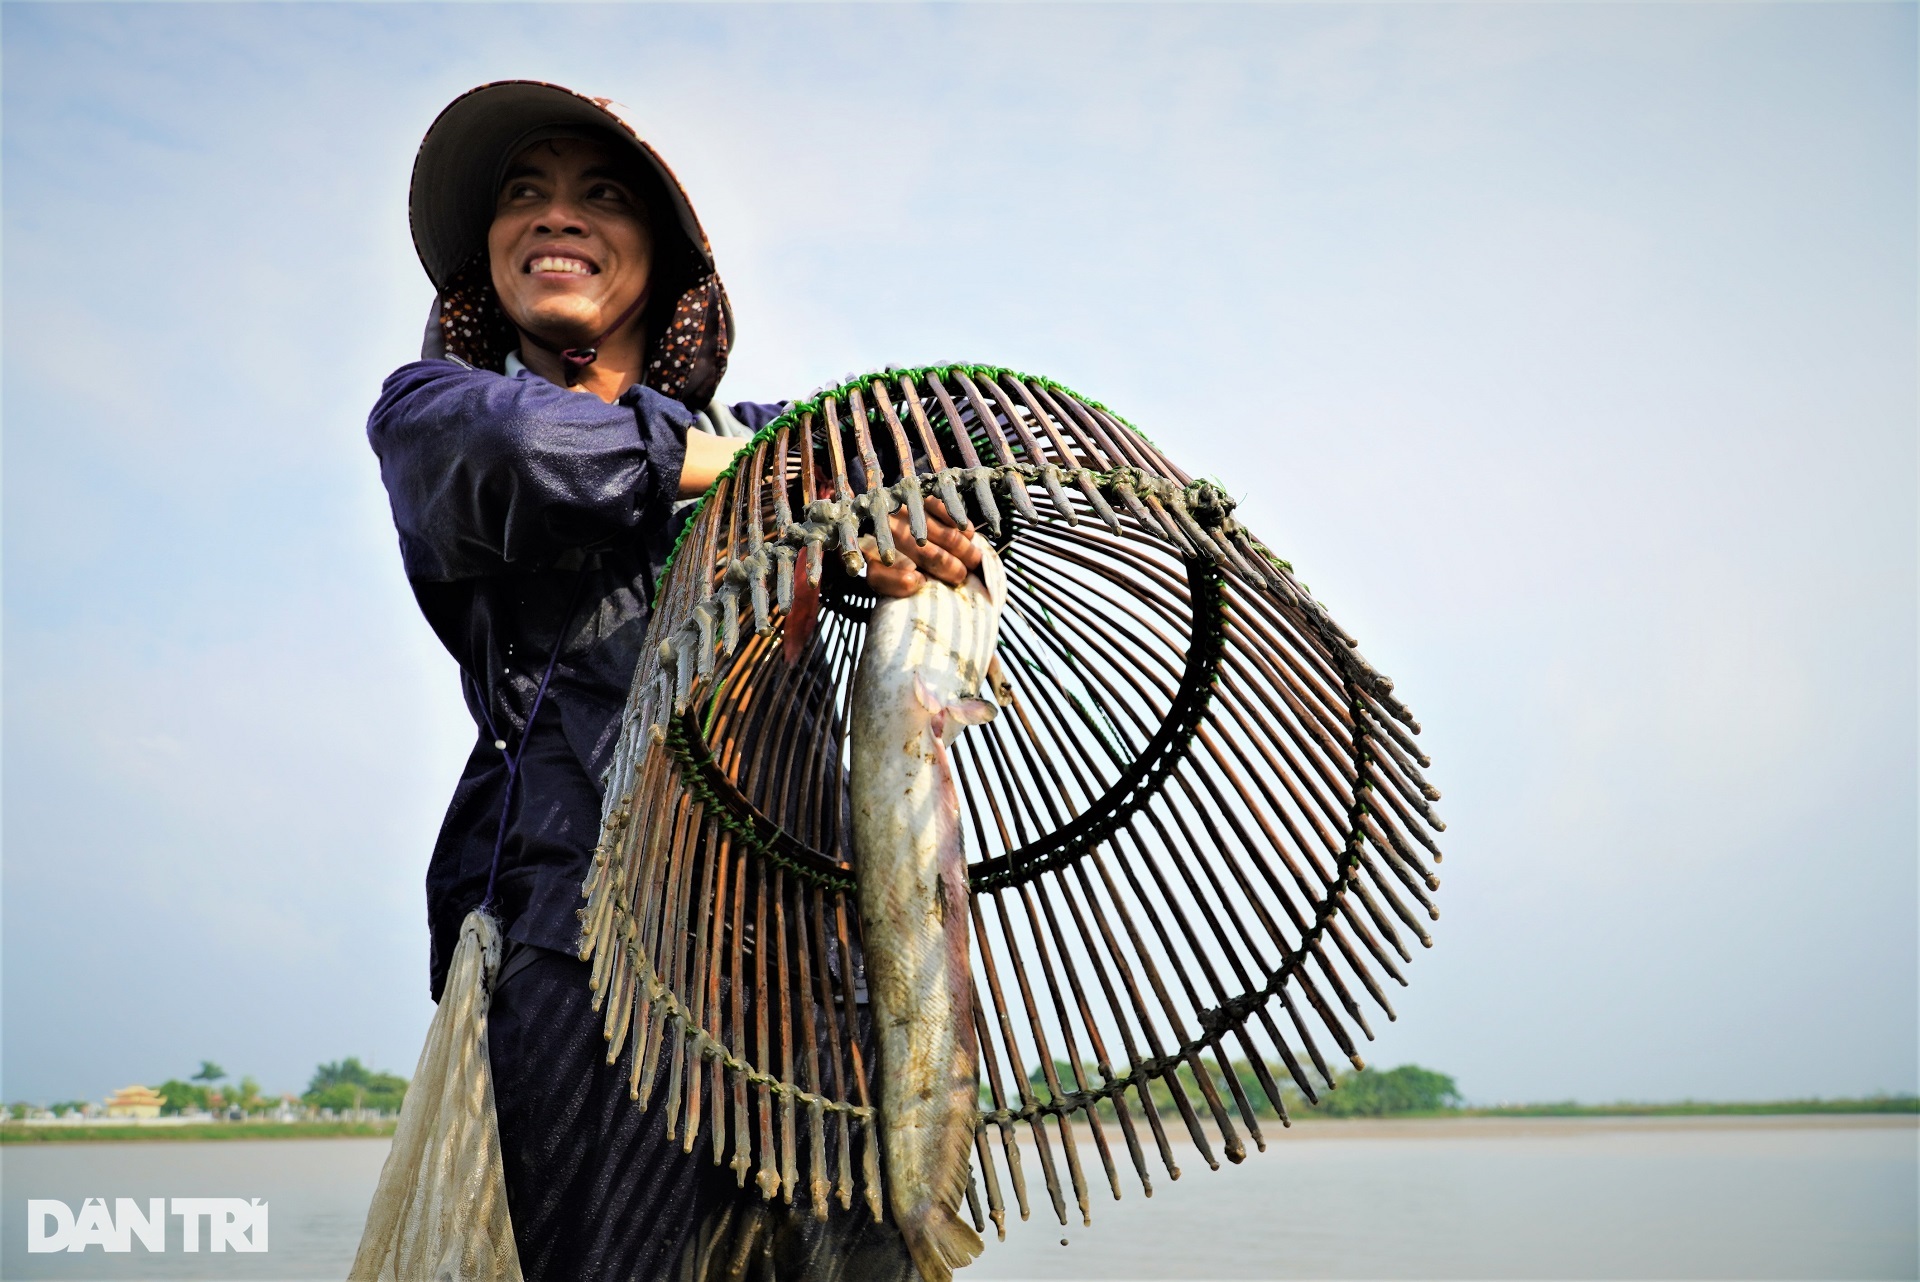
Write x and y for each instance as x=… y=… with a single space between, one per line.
x=513 y=758
x=574 y=360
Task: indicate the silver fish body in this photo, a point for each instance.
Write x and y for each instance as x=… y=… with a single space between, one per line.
x=918 y=684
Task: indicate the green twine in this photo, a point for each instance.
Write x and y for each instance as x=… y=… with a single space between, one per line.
x=815 y=404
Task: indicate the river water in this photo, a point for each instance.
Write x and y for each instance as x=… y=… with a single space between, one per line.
x=1720 y=1197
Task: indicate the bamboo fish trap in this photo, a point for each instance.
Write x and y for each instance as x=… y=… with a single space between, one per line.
x=1199 y=836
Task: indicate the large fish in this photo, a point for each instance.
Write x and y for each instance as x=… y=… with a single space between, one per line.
x=918 y=685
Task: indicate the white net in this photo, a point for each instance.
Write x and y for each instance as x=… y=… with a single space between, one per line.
x=440 y=1210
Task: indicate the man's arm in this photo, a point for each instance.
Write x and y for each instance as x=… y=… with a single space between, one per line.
x=486 y=473
x=707 y=456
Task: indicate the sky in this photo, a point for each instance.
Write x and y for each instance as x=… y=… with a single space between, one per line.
x=1567 y=351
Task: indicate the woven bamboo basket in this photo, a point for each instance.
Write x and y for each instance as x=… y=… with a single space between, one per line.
x=1200 y=840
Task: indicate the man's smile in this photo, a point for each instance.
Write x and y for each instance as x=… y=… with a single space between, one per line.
x=560 y=264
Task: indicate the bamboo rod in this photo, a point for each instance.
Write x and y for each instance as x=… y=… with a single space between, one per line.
x=703 y=942
x=782 y=992
x=869 y=1155
x=944 y=480
x=835 y=1011
x=963 y=441
x=767 y=1177
x=844 y=521
x=1044 y=1053
x=811 y=1075
x=1103 y=1061
x=738 y=1028
x=903 y=458
x=1065 y=1024
x=1009 y=1138
x=1016 y=488
x=997 y=400
x=876 y=500
x=1010 y=1045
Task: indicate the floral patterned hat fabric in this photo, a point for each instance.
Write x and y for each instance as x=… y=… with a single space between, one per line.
x=450 y=207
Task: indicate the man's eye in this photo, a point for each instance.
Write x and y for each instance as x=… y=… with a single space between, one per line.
x=606 y=191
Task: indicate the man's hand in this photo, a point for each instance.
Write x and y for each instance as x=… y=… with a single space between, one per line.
x=950 y=554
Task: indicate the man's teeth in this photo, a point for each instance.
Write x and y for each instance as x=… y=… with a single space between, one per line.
x=570 y=265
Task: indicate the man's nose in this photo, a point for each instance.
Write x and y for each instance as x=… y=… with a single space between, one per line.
x=562 y=220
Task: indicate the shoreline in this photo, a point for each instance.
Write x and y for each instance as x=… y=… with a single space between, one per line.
x=1475 y=1123
x=1500 y=1126
x=12 y=1133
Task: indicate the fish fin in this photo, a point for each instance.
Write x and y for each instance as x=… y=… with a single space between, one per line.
x=972 y=712
x=925 y=695
x=940 y=1244
x=943 y=783
x=801 y=619
x=950 y=718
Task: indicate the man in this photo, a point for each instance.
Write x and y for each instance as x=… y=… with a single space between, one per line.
x=533 y=459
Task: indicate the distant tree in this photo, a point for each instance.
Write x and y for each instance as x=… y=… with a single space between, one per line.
x=349 y=1084
x=209 y=1073
x=1367 y=1093
x=17 y=1111
x=349 y=1072
x=181 y=1097
x=1374 y=1093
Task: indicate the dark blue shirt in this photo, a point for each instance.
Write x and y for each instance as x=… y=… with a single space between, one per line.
x=514 y=499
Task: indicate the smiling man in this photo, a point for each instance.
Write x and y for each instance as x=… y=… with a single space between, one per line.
x=534 y=457
x=570 y=251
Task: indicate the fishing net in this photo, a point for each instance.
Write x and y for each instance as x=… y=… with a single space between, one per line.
x=1199 y=836
x=439 y=1211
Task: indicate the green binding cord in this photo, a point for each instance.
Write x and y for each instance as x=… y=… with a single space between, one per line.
x=709 y=785
x=791 y=416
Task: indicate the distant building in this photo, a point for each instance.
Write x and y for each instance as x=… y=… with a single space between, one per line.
x=135 y=1101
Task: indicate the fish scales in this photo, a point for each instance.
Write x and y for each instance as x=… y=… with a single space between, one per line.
x=917 y=686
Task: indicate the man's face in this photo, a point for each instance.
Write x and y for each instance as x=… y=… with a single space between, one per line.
x=569 y=246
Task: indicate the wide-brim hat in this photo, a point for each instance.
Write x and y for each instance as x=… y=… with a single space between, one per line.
x=450 y=205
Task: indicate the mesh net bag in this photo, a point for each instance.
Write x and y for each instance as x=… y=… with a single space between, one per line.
x=440 y=1209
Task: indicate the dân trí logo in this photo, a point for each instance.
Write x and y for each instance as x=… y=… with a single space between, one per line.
x=232 y=1224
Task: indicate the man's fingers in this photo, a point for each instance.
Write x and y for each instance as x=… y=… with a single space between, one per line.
x=948 y=554
x=935 y=561
x=904 y=576
x=898 y=579
x=937 y=511
x=954 y=543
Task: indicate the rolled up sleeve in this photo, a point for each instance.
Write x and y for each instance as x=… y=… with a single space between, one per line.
x=486 y=473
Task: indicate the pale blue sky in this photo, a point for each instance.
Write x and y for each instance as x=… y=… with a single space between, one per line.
x=1567 y=351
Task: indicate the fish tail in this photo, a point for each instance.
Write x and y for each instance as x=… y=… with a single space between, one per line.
x=940 y=1242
